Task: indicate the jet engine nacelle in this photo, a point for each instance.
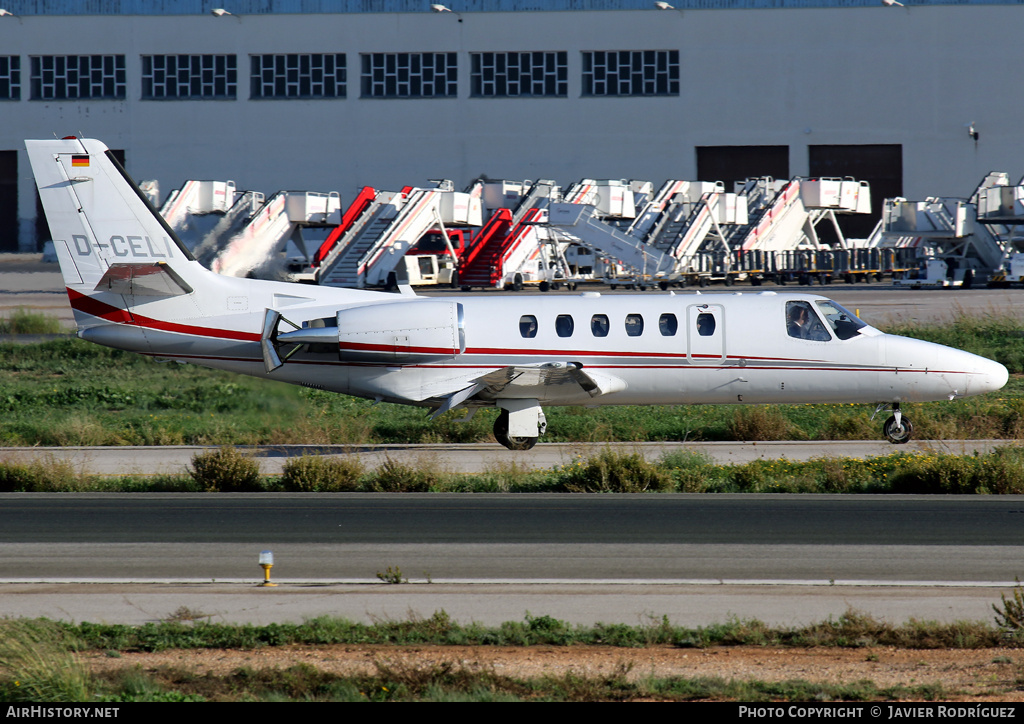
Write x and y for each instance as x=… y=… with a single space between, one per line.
x=398 y=333
x=403 y=332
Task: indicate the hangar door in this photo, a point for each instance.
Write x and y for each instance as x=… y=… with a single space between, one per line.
x=737 y=163
x=881 y=165
x=8 y=200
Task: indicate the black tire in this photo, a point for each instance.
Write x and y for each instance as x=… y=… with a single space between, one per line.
x=544 y=286
x=517 y=283
x=466 y=289
x=555 y=286
x=898 y=435
x=502 y=436
x=755 y=281
x=663 y=286
x=454 y=284
x=729 y=280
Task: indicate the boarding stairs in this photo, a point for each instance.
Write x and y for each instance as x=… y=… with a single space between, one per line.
x=363 y=200
x=507 y=243
x=702 y=229
x=788 y=221
x=195 y=209
x=372 y=234
x=258 y=249
x=947 y=227
x=659 y=208
x=582 y=224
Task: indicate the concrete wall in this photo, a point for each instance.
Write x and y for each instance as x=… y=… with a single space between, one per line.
x=796 y=77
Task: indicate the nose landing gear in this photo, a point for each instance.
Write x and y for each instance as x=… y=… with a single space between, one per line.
x=897 y=429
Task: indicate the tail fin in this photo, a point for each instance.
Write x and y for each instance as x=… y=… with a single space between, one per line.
x=106 y=234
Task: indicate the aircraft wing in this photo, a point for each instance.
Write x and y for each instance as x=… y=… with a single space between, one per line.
x=547 y=381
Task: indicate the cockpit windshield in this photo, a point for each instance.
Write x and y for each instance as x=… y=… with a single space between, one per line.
x=844 y=323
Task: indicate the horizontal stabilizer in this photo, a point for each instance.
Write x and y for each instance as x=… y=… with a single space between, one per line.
x=143 y=280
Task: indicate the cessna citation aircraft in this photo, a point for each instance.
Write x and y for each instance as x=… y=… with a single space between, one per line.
x=133 y=286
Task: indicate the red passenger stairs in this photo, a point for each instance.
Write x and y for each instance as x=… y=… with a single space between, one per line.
x=480 y=265
x=359 y=204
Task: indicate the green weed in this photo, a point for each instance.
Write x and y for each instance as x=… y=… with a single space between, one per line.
x=225 y=470
x=316 y=473
x=25 y=321
x=613 y=472
x=38 y=662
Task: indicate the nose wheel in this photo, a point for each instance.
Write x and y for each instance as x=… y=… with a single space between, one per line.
x=502 y=436
x=897 y=429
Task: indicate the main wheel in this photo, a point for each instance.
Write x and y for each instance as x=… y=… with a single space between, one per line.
x=898 y=434
x=502 y=436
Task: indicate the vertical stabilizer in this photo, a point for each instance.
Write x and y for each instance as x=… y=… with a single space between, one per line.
x=97 y=216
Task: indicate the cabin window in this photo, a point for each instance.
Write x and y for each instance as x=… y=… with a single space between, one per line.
x=668 y=325
x=564 y=325
x=706 y=324
x=803 y=323
x=528 y=326
x=634 y=325
x=599 y=325
x=844 y=323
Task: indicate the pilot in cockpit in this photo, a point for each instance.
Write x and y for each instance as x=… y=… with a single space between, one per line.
x=802 y=323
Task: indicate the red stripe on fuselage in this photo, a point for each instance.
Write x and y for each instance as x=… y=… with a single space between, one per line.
x=91 y=305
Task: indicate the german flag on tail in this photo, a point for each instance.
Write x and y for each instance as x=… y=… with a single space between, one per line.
x=79 y=161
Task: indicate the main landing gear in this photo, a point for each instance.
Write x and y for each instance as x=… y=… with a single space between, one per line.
x=519 y=424
x=897 y=429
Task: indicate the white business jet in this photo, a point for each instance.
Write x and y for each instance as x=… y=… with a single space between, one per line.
x=133 y=286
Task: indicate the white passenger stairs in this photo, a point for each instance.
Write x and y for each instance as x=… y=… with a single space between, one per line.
x=788 y=221
x=258 y=249
x=947 y=227
x=583 y=225
x=193 y=210
x=683 y=236
x=1001 y=209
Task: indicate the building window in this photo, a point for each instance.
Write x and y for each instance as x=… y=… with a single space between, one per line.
x=518 y=75
x=189 y=77
x=631 y=73
x=10 y=77
x=60 y=77
x=305 y=75
x=410 y=75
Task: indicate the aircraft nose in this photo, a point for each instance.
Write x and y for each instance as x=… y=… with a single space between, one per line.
x=990 y=376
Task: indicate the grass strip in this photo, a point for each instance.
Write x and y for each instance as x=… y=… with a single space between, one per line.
x=998 y=472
